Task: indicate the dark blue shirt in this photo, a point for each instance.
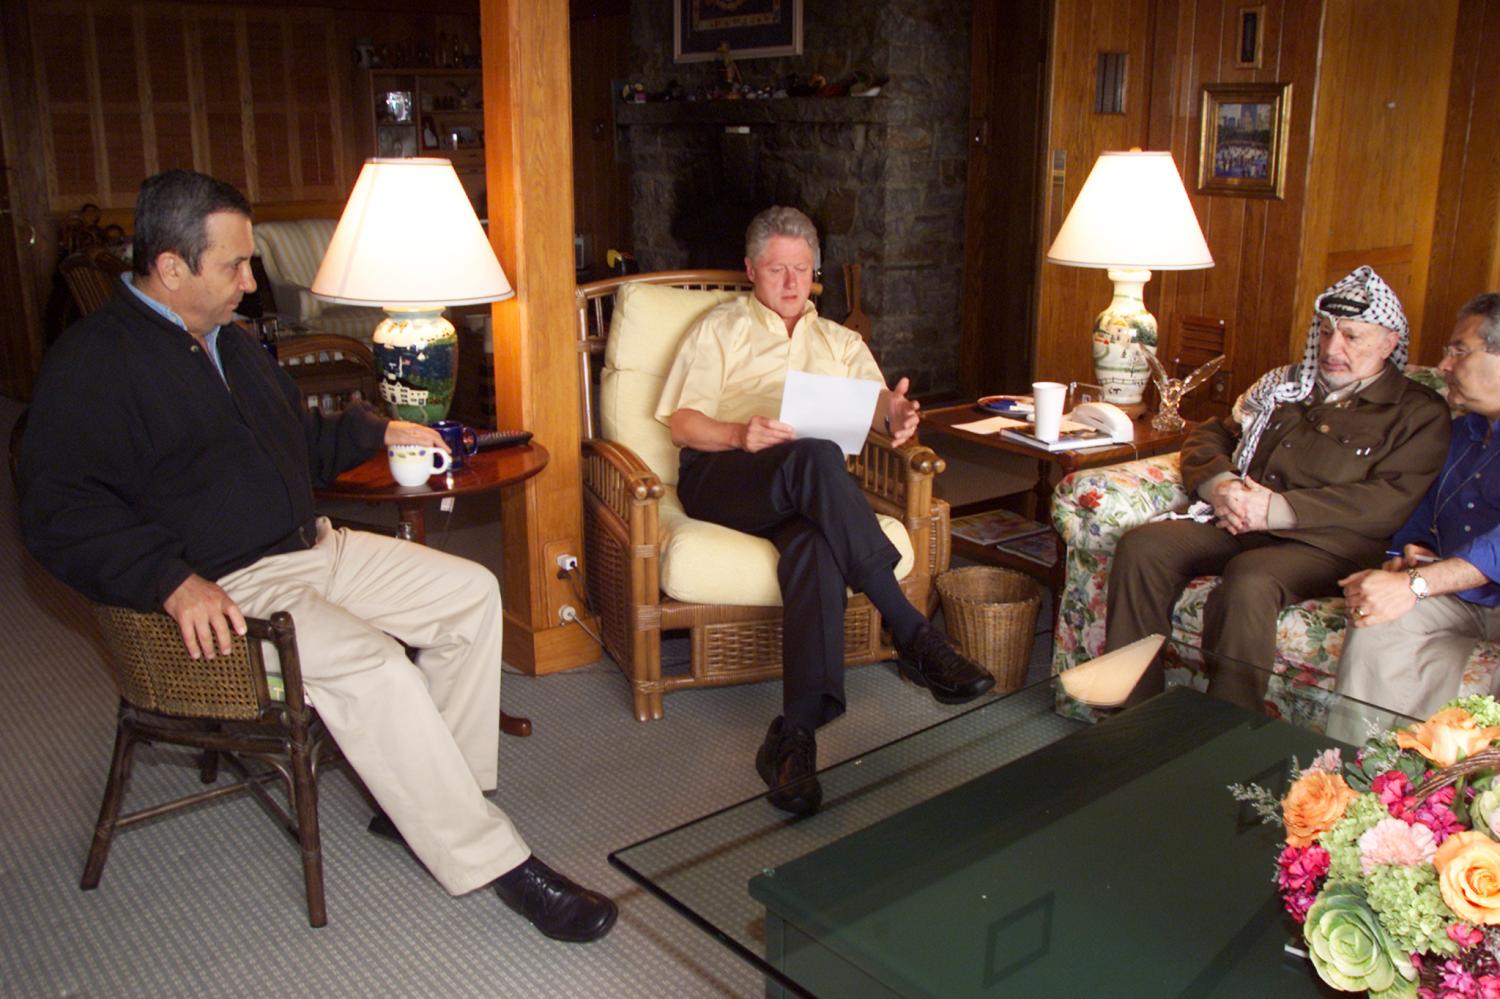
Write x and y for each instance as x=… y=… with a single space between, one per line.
x=1459 y=516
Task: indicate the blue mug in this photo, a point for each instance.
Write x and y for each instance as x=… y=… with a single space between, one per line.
x=461 y=440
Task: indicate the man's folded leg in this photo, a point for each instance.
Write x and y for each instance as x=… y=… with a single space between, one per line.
x=378 y=706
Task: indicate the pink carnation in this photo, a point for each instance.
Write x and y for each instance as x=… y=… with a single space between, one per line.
x=1299 y=868
x=1391 y=841
x=1393 y=788
x=1464 y=935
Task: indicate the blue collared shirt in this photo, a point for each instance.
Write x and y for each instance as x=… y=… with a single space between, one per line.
x=210 y=339
x=1459 y=516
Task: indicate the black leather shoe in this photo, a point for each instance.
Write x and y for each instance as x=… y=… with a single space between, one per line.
x=382 y=826
x=788 y=762
x=931 y=661
x=554 y=904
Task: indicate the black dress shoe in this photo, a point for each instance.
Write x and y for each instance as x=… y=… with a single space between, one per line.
x=788 y=762
x=382 y=826
x=931 y=661
x=556 y=905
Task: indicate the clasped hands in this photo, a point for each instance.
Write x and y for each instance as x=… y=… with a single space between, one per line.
x=1241 y=505
x=761 y=432
x=206 y=615
x=1375 y=596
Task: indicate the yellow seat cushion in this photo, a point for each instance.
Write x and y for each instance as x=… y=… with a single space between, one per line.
x=701 y=563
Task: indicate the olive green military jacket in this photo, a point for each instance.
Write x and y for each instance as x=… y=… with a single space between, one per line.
x=1352 y=471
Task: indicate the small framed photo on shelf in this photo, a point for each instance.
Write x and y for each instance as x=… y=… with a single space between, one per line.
x=1251 y=37
x=1242 y=143
x=750 y=29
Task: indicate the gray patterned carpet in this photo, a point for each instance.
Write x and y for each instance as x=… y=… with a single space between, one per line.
x=210 y=902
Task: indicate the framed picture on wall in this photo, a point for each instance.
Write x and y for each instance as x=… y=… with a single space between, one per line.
x=750 y=28
x=1242 y=144
x=1252 y=30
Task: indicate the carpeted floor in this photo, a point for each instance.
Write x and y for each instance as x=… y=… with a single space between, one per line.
x=210 y=902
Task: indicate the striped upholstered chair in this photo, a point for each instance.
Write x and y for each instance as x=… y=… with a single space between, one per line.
x=291 y=252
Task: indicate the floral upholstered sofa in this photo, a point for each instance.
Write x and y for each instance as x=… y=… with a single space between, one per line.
x=1094 y=507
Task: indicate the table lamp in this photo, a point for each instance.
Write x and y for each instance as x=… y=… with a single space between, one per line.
x=1132 y=217
x=409 y=242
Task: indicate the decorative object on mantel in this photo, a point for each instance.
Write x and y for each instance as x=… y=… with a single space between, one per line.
x=1171 y=390
x=751 y=29
x=1132 y=217
x=409 y=241
x=1242 y=139
x=1391 y=863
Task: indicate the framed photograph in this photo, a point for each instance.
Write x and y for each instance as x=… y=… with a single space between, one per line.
x=750 y=28
x=1242 y=146
x=1252 y=20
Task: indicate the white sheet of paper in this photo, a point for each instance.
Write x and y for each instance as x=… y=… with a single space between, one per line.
x=1108 y=680
x=830 y=408
x=990 y=425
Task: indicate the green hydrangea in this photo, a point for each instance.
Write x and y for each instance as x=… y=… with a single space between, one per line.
x=1483 y=707
x=1342 y=841
x=1411 y=907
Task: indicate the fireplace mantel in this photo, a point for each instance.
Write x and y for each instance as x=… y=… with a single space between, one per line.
x=812 y=110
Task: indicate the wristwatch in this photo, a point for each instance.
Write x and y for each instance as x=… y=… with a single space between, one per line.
x=1417 y=583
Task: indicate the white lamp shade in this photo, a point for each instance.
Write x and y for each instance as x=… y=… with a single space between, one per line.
x=1133 y=213
x=409 y=238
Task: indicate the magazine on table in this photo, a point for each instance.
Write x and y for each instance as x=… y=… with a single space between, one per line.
x=1071 y=435
x=1040 y=548
x=994 y=526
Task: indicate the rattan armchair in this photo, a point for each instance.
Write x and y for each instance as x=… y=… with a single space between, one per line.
x=623 y=539
x=230 y=708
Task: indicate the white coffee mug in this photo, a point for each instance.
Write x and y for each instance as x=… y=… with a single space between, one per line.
x=1047 y=397
x=414 y=464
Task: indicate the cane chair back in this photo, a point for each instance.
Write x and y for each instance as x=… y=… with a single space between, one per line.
x=331 y=371
x=91 y=275
x=628 y=529
x=235 y=710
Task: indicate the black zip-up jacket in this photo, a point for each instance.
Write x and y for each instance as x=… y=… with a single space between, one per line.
x=140 y=466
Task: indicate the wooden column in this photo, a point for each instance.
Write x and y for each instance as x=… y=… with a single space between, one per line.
x=528 y=139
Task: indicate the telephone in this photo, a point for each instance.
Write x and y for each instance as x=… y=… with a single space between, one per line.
x=1106 y=417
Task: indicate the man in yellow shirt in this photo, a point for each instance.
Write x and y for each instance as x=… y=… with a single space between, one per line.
x=743 y=468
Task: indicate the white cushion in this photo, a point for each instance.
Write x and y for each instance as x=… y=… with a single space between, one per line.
x=703 y=563
x=648 y=324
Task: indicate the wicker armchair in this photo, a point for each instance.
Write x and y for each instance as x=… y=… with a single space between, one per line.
x=625 y=539
x=230 y=708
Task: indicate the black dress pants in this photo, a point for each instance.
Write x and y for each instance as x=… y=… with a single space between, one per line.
x=800 y=497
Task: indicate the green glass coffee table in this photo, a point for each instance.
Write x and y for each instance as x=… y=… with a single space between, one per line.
x=1011 y=851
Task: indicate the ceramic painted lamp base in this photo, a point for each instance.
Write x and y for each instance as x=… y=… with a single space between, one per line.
x=1120 y=332
x=416 y=353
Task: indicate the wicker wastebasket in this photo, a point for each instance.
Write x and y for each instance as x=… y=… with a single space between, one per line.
x=991 y=615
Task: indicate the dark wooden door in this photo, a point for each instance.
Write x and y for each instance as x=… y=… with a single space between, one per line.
x=1006 y=114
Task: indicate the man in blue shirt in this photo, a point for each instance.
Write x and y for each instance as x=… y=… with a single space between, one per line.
x=1417 y=618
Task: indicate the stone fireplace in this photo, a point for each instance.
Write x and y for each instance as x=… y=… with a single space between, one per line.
x=883 y=177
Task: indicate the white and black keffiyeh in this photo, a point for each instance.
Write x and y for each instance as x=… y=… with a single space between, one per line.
x=1361 y=296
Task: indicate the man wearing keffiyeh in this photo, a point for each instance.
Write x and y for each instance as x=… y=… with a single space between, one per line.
x=1318 y=463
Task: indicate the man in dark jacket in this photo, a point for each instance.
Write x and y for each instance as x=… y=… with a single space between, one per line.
x=1318 y=464
x=168 y=465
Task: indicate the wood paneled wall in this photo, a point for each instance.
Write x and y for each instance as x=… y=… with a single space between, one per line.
x=1378 y=170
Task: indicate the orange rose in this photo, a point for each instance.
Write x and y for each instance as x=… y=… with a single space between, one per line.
x=1468 y=866
x=1447 y=736
x=1313 y=805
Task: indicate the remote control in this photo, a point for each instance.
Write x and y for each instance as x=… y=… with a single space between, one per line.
x=489 y=439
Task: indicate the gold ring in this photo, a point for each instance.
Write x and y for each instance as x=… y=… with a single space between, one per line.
x=1360 y=612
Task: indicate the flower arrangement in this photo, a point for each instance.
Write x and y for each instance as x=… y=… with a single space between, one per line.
x=1392 y=860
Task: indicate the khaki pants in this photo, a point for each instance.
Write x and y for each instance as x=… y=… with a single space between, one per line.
x=423 y=736
x=1415 y=663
